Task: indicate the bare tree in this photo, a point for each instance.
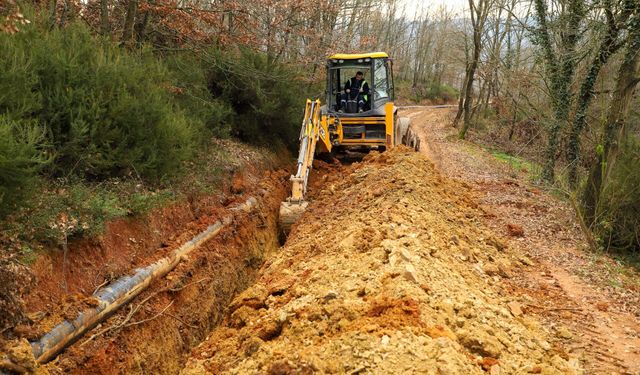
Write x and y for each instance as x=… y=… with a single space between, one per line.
x=130 y=18
x=105 y=28
x=479 y=12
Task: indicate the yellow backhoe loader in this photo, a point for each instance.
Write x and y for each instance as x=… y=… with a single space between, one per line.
x=353 y=119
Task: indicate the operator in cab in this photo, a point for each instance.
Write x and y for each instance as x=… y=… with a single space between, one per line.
x=356 y=88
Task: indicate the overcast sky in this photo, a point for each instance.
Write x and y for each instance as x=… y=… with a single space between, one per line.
x=414 y=6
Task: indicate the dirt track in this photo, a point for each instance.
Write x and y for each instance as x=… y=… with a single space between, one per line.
x=569 y=288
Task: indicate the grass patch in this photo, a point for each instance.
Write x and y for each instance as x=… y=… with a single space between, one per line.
x=517 y=164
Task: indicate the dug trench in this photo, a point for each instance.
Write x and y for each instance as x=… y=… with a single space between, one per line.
x=157 y=329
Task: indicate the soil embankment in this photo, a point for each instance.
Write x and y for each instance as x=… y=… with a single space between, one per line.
x=155 y=331
x=390 y=271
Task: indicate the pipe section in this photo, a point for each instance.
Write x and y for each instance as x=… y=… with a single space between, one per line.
x=123 y=290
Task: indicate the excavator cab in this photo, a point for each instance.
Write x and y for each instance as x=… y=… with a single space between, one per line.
x=377 y=126
x=337 y=126
x=377 y=69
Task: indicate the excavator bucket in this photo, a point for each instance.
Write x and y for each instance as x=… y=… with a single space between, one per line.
x=406 y=135
x=290 y=213
x=295 y=205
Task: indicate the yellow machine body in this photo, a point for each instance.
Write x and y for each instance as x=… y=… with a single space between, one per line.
x=333 y=135
x=331 y=127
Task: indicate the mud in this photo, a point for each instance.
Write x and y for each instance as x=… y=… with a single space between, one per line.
x=390 y=271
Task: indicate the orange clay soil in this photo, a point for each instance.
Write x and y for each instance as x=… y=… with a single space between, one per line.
x=390 y=271
x=154 y=332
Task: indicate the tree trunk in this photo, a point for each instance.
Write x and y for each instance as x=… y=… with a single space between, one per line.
x=478 y=19
x=65 y=12
x=141 y=27
x=615 y=130
x=53 y=15
x=560 y=72
x=468 y=96
x=463 y=90
x=607 y=48
x=105 y=27
x=475 y=111
x=129 y=21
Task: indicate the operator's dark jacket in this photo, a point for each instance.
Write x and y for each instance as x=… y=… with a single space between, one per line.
x=354 y=85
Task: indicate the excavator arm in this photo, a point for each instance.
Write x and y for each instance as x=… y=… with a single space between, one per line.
x=295 y=205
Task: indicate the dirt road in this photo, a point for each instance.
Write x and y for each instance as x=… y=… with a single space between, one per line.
x=573 y=292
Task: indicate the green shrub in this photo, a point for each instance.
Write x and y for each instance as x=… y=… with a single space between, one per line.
x=18 y=78
x=78 y=112
x=443 y=92
x=21 y=156
x=267 y=98
x=107 y=112
x=191 y=93
x=21 y=153
x=618 y=225
x=431 y=91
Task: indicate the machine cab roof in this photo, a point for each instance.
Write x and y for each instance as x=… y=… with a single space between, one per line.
x=355 y=56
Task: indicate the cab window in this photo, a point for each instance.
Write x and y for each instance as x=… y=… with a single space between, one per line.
x=380 y=80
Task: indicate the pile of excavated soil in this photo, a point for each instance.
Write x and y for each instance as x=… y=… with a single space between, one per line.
x=390 y=271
